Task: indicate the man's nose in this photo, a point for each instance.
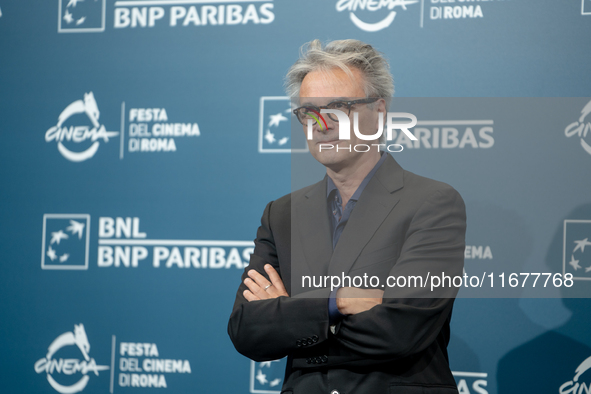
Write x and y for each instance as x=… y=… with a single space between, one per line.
x=330 y=124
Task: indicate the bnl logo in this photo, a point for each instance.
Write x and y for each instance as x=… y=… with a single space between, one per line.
x=275 y=131
x=79 y=16
x=65 y=242
x=577 y=249
x=267 y=377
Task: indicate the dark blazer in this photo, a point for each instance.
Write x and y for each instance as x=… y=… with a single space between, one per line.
x=403 y=224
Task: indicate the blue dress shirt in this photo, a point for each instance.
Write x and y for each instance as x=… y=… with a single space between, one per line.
x=338 y=220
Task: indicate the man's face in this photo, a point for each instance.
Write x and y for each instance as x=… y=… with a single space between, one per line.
x=322 y=87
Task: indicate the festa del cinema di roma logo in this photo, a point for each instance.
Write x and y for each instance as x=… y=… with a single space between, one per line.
x=140 y=364
x=69 y=366
x=79 y=134
x=83 y=130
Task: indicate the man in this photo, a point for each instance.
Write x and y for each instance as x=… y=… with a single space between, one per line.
x=368 y=217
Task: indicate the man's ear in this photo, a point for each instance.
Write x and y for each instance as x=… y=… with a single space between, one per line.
x=381 y=109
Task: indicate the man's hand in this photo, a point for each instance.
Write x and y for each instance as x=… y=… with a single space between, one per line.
x=351 y=300
x=259 y=288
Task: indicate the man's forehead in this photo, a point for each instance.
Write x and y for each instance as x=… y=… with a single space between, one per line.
x=332 y=84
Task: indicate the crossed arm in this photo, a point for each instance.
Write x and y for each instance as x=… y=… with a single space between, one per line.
x=267 y=323
x=350 y=300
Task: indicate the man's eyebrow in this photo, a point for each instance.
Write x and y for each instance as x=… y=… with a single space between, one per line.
x=339 y=99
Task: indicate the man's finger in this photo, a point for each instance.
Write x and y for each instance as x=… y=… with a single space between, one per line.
x=255 y=289
x=274 y=276
x=249 y=296
x=259 y=279
x=275 y=279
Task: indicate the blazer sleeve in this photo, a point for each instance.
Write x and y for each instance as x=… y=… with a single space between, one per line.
x=411 y=318
x=271 y=329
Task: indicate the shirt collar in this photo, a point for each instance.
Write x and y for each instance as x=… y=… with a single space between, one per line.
x=330 y=186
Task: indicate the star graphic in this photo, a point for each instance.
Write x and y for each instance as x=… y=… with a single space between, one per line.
x=76 y=227
x=587 y=269
x=266 y=364
x=274 y=382
x=64 y=257
x=80 y=21
x=581 y=245
x=283 y=140
x=57 y=236
x=51 y=253
x=261 y=377
x=574 y=263
x=68 y=17
x=270 y=136
x=275 y=119
x=73 y=3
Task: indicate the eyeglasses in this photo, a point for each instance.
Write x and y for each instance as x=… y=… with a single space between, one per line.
x=311 y=112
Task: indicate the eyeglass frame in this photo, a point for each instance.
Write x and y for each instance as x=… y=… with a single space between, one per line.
x=349 y=104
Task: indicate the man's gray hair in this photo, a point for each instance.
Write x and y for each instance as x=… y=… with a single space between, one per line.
x=343 y=54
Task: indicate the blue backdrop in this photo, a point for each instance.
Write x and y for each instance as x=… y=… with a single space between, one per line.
x=136 y=161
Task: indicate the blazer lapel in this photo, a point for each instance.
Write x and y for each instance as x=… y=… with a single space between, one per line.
x=311 y=225
x=371 y=209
